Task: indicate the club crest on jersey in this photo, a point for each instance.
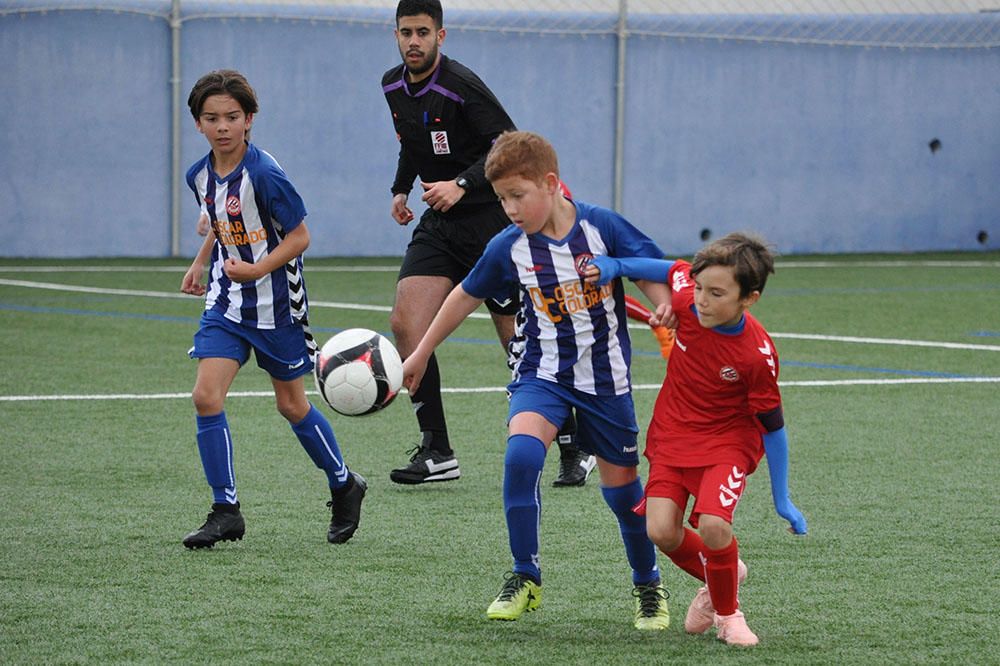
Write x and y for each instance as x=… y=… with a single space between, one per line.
x=439 y=139
x=582 y=261
x=729 y=374
x=233 y=205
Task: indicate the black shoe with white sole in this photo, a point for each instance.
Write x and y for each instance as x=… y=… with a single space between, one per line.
x=426 y=466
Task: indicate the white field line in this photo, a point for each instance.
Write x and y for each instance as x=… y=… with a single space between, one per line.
x=381 y=268
x=501 y=389
x=54 y=286
x=482 y=315
x=171 y=294
x=180 y=270
x=888 y=263
x=887 y=341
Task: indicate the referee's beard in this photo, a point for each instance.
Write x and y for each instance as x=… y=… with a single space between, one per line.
x=428 y=63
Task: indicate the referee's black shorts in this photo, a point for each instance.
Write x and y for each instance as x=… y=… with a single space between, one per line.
x=451 y=246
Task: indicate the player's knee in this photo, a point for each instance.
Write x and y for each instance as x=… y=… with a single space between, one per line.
x=403 y=334
x=667 y=537
x=715 y=531
x=524 y=451
x=294 y=410
x=397 y=323
x=206 y=401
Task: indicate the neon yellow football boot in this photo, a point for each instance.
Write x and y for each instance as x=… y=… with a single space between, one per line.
x=518 y=595
x=651 y=606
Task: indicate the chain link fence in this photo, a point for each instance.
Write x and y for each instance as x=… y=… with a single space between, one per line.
x=865 y=23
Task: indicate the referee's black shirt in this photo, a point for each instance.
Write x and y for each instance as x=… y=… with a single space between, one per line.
x=445 y=125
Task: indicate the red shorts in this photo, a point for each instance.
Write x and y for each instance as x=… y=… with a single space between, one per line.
x=716 y=489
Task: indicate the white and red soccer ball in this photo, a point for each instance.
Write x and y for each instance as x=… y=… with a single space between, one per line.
x=358 y=372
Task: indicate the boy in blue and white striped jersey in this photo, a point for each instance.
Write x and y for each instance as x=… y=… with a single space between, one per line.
x=255 y=301
x=576 y=356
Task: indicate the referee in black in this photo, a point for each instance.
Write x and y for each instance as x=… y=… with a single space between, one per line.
x=446 y=120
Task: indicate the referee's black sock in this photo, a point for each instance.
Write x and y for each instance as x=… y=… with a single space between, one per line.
x=430 y=410
x=566 y=438
x=567 y=433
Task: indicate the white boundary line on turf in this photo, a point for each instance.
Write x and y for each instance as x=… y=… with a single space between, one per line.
x=482 y=315
x=170 y=294
x=180 y=270
x=377 y=268
x=887 y=341
x=501 y=389
x=889 y=263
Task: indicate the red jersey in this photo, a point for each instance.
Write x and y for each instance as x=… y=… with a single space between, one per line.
x=716 y=384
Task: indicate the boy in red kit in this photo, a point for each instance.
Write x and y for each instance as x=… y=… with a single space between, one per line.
x=718 y=411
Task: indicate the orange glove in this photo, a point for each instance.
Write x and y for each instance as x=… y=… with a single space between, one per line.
x=665 y=336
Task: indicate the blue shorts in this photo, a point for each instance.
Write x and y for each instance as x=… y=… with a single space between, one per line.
x=281 y=352
x=605 y=424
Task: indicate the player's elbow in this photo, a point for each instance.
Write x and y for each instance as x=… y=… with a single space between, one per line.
x=303 y=238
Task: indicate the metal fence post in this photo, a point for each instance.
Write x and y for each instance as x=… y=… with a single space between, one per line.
x=622 y=33
x=175 y=133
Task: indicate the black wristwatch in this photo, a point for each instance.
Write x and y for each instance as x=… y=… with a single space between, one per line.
x=463 y=182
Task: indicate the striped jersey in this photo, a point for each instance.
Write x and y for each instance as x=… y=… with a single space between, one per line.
x=251 y=210
x=574 y=333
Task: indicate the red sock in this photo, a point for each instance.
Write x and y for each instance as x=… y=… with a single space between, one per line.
x=636 y=310
x=721 y=575
x=687 y=555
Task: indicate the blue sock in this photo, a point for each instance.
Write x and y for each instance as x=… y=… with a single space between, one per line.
x=215 y=445
x=316 y=436
x=522 y=502
x=639 y=549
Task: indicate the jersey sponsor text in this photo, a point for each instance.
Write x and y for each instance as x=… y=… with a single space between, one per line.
x=569 y=297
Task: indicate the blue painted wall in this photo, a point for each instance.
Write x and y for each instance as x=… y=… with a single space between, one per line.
x=821 y=149
x=84 y=135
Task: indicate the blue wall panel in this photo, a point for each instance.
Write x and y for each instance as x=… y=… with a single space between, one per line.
x=562 y=88
x=322 y=115
x=84 y=135
x=818 y=148
x=821 y=149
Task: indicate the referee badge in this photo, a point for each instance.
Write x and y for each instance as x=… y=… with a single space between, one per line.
x=439 y=139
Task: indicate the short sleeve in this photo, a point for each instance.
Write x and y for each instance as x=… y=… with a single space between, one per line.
x=279 y=196
x=284 y=203
x=763 y=394
x=622 y=238
x=493 y=275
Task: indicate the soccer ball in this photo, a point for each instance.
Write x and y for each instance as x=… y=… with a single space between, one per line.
x=358 y=372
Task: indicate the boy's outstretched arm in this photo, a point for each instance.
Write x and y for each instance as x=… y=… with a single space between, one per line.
x=658 y=294
x=603 y=269
x=459 y=305
x=776 y=448
x=650 y=276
